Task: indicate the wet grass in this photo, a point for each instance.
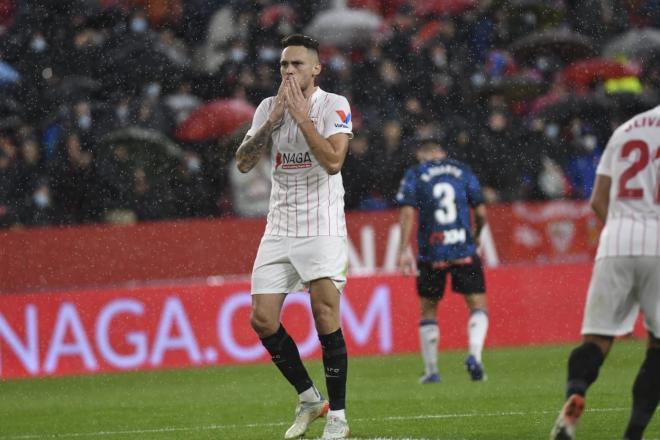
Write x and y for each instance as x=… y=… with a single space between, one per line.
x=520 y=400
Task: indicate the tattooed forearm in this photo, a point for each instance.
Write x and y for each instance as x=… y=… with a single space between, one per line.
x=249 y=152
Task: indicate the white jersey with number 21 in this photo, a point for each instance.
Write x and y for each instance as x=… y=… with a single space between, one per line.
x=632 y=160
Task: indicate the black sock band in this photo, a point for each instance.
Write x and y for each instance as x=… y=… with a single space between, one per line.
x=335 y=363
x=284 y=353
x=646 y=393
x=583 y=366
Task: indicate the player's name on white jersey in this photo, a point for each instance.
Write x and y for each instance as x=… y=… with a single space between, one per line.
x=643 y=122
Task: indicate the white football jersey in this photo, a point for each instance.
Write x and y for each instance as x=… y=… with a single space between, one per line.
x=305 y=200
x=632 y=160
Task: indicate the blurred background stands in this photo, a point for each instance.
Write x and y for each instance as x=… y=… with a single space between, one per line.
x=128 y=110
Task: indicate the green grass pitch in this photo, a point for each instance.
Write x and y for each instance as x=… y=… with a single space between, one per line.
x=520 y=400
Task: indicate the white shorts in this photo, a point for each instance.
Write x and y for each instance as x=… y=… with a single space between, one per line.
x=619 y=287
x=286 y=264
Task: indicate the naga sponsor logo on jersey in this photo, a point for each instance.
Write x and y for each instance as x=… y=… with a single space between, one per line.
x=345 y=119
x=292 y=161
x=450 y=236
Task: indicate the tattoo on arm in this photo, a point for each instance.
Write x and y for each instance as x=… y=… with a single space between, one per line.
x=249 y=152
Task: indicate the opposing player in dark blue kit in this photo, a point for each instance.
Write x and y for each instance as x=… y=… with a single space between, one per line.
x=444 y=191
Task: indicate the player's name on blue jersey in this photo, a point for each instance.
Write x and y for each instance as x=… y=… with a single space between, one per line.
x=434 y=171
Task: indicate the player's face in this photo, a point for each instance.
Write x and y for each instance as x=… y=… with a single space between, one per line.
x=302 y=63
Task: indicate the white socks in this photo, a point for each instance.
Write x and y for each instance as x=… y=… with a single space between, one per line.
x=339 y=413
x=477 y=329
x=311 y=394
x=429 y=336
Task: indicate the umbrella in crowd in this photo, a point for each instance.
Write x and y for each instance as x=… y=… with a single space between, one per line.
x=344 y=27
x=147 y=149
x=136 y=63
x=385 y=8
x=564 y=44
x=272 y=14
x=598 y=106
x=73 y=88
x=635 y=44
x=584 y=72
x=542 y=7
x=513 y=88
x=626 y=105
x=7 y=14
x=214 y=120
x=572 y=106
x=542 y=12
x=443 y=7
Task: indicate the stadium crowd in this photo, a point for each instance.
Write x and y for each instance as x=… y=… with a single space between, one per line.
x=94 y=94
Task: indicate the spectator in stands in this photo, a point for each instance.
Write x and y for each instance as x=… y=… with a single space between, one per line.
x=498 y=150
x=73 y=178
x=29 y=170
x=389 y=158
x=116 y=186
x=192 y=196
x=251 y=191
x=181 y=102
x=151 y=200
x=357 y=174
x=40 y=209
x=581 y=163
x=8 y=214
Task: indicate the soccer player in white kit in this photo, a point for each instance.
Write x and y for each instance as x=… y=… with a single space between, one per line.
x=626 y=275
x=307 y=130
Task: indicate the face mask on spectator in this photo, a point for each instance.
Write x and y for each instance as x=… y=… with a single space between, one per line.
x=38 y=44
x=268 y=54
x=478 y=79
x=552 y=131
x=439 y=60
x=589 y=141
x=194 y=164
x=84 y=122
x=237 y=55
x=543 y=64
x=153 y=90
x=337 y=63
x=41 y=199
x=284 y=27
x=122 y=111
x=138 y=25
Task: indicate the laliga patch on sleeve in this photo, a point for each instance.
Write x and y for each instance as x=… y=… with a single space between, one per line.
x=345 y=119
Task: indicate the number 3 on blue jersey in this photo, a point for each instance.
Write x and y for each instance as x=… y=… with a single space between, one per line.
x=445 y=194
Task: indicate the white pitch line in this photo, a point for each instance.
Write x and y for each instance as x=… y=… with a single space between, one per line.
x=266 y=425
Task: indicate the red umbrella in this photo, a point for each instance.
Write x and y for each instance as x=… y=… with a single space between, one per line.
x=7 y=14
x=214 y=120
x=443 y=7
x=584 y=72
x=384 y=8
x=270 y=15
